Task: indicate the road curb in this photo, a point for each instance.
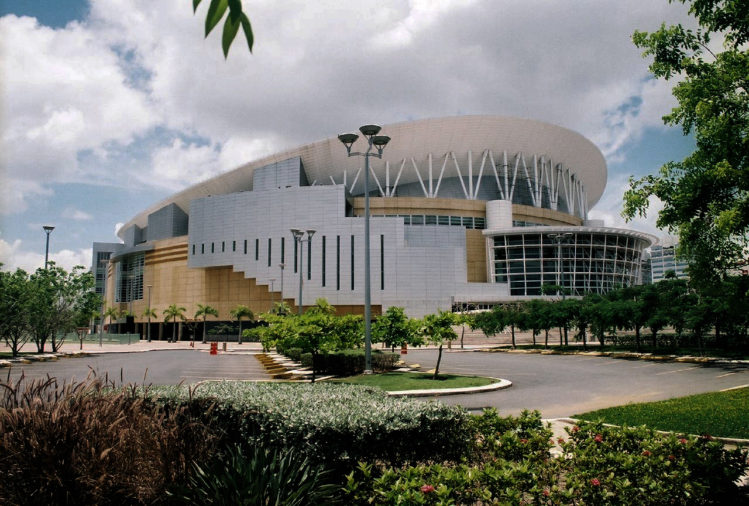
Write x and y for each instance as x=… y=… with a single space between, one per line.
x=500 y=384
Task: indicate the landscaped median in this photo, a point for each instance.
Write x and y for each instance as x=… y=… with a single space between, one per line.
x=416 y=384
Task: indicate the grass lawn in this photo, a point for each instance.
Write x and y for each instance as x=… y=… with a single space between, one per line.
x=718 y=413
x=393 y=381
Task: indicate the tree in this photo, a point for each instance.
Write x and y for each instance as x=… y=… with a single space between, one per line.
x=14 y=299
x=110 y=312
x=705 y=196
x=58 y=300
x=174 y=312
x=234 y=20
x=205 y=311
x=149 y=312
x=394 y=328
x=239 y=312
x=438 y=329
x=281 y=308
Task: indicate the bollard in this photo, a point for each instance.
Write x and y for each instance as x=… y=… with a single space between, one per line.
x=224 y=346
x=404 y=349
x=214 y=348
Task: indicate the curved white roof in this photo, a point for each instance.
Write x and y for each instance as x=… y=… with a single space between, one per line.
x=417 y=140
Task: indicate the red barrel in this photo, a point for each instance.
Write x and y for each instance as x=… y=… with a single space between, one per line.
x=214 y=348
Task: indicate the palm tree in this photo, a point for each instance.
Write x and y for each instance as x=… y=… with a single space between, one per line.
x=174 y=312
x=204 y=311
x=238 y=313
x=149 y=312
x=110 y=313
x=281 y=308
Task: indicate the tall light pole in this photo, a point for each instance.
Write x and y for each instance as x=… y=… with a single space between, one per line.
x=148 y=329
x=281 y=266
x=559 y=238
x=272 y=281
x=48 y=230
x=299 y=238
x=378 y=142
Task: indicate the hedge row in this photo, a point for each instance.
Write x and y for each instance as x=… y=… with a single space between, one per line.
x=349 y=362
x=331 y=423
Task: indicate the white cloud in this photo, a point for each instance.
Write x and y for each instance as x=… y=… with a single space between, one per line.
x=13 y=256
x=15 y=194
x=76 y=214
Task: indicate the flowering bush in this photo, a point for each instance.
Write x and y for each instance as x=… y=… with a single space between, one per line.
x=334 y=423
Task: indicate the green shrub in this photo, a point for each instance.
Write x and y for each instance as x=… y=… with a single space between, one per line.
x=511 y=438
x=294 y=354
x=349 y=362
x=332 y=423
x=639 y=466
x=258 y=476
x=89 y=444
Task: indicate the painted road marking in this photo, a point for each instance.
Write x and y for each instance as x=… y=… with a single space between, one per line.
x=726 y=374
x=733 y=388
x=676 y=370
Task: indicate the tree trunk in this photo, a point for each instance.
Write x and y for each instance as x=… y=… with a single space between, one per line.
x=439 y=359
x=462 y=334
x=239 y=339
x=174 y=329
x=561 y=337
x=314 y=362
x=512 y=332
x=566 y=341
x=637 y=337
x=601 y=339
x=546 y=338
x=585 y=342
x=655 y=337
x=533 y=331
x=203 y=329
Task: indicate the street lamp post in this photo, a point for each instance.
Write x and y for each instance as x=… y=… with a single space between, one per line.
x=559 y=239
x=148 y=329
x=48 y=230
x=299 y=237
x=272 y=281
x=378 y=142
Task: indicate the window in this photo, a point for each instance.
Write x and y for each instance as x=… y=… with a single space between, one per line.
x=382 y=262
x=309 y=258
x=417 y=219
x=213 y=247
x=257 y=249
x=430 y=220
x=296 y=254
x=338 y=262
x=467 y=222
x=202 y=249
x=223 y=246
x=443 y=220
x=193 y=249
x=454 y=220
x=245 y=246
x=269 y=251
x=323 y=260
x=283 y=249
x=234 y=245
x=352 y=262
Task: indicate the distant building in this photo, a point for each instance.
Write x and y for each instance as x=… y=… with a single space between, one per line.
x=663 y=258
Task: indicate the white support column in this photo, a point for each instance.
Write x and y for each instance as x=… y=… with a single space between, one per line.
x=470 y=175
x=371 y=171
x=431 y=177
x=514 y=175
x=496 y=176
x=355 y=179
x=332 y=180
x=442 y=172
x=460 y=176
x=508 y=194
x=398 y=177
x=418 y=174
x=481 y=174
x=528 y=180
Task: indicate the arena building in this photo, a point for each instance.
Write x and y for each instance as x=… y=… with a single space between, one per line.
x=469 y=210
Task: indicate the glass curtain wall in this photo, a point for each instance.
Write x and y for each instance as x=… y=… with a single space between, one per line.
x=130 y=278
x=590 y=262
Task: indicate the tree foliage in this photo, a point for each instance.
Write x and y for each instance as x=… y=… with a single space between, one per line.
x=706 y=195
x=235 y=18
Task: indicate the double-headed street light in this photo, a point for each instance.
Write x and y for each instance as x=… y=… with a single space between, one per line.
x=48 y=230
x=559 y=238
x=378 y=142
x=299 y=237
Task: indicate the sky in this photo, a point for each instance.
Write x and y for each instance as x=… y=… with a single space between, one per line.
x=108 y=106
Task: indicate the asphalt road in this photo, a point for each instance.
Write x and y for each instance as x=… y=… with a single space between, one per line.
x=564 y=385
x=557 y=385
x=152 y=367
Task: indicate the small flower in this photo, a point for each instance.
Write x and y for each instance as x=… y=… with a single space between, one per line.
x=598 y=438
x=560 y=440
x=708 y=437
x=682 y=441
x=595 y=482
x=646 y=453
x=426 y=489
x=546 y=492
x=575 y=429
x=524 y=441
x=671 y=457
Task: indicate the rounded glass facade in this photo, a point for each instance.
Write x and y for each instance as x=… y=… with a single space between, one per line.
x=584 y=260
